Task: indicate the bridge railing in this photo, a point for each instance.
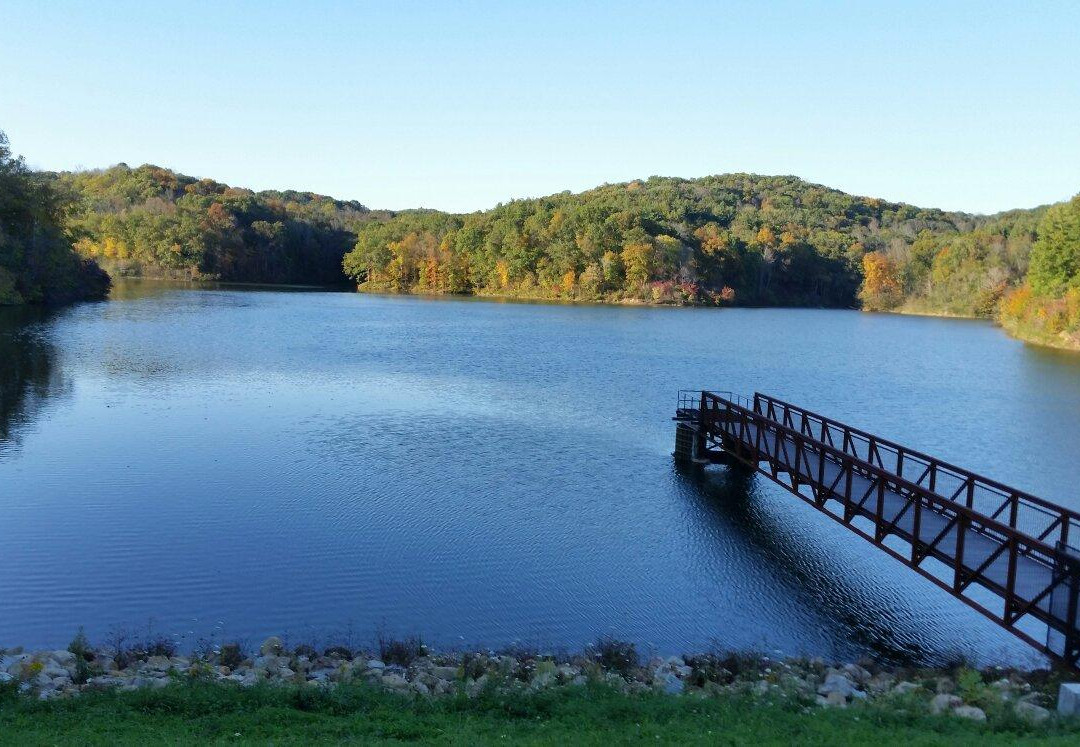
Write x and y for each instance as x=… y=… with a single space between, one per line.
x=755 y=435
x=690 y=400
x=1034 y=516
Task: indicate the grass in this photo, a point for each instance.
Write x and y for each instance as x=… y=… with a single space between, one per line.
x=201 y=712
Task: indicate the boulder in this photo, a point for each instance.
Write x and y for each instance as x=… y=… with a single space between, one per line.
x=445 y=673
x=477 y=686
x=943 y=702
x=63 y=658
x=395 y=682
x=14 y=664
x=836 y=682
x=1032 y=713
x=880 y=683
x=272 y=646
x=970 y=712
x=836 y=699
x=856 y=673
x=158 y=664
x=903 y=688
x=669 y=683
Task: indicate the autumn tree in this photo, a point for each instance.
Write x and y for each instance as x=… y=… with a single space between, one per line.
x=881 y=288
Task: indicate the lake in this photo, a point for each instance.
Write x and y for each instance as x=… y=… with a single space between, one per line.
x=236 y=462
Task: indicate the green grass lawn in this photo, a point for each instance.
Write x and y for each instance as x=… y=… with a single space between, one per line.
x=195 y=712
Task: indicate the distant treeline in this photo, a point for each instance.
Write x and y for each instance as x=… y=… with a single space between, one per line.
x=732 y=239
x=735 y=239
x=150 y=221
x=37 y=261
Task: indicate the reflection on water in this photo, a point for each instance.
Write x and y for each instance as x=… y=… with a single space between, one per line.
x=28 y=372
x=300 y=462
x=726 y=502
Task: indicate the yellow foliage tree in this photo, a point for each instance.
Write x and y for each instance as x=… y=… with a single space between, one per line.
x=568 y=283
x=637 y=259
x=502 y=273
x=881 y=287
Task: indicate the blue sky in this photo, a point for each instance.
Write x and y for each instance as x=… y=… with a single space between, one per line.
x=461 y=105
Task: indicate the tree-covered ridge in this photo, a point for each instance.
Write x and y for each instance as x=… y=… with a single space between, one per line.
x=37 y=261
x=736 y=238
x=1046 y=308
x=153 y=221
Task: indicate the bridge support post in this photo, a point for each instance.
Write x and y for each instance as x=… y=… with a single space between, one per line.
x=689 y=444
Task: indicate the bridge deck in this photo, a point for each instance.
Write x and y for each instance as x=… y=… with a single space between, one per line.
x=858 y=479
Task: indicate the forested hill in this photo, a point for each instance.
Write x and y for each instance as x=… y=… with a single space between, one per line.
x=152 y=221
x=730 y=239
x=37 y=261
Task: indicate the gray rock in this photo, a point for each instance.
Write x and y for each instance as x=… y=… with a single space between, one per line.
x=836 y=699
x=272 y=646
x=376 y=664
x=943 y=702
x=856 y=673
x=421 y=688
x=5 y=678
x=63 y=658
x=838 y=683
x=14 y=664
x=880 y=683
x=445 y=673
x=971 y=712
x=477 y=686
x=395 y=682
x=158 y=664
x=1069 y=699
x=903 y=688
x=269 y=663
x=1032 y=713
x=442 y=687
x=669 y=683
x=54 y=670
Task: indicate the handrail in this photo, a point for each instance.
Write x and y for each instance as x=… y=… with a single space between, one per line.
x=1061 y=513
x=1031 y=542
x=799 y=449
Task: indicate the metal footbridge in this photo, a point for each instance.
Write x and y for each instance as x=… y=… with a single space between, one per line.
x=1010 y=555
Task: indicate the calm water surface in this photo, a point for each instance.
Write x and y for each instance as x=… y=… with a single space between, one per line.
x=236 y=463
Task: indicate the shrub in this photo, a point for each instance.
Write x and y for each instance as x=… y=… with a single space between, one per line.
x=84 y=656
x=305 y=650
x=617 y=656
x=342 y=652
x=401 y=652
x=709 y=668
x=232 y=655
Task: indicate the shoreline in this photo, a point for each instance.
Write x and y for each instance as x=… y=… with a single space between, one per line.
x=408 y=667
